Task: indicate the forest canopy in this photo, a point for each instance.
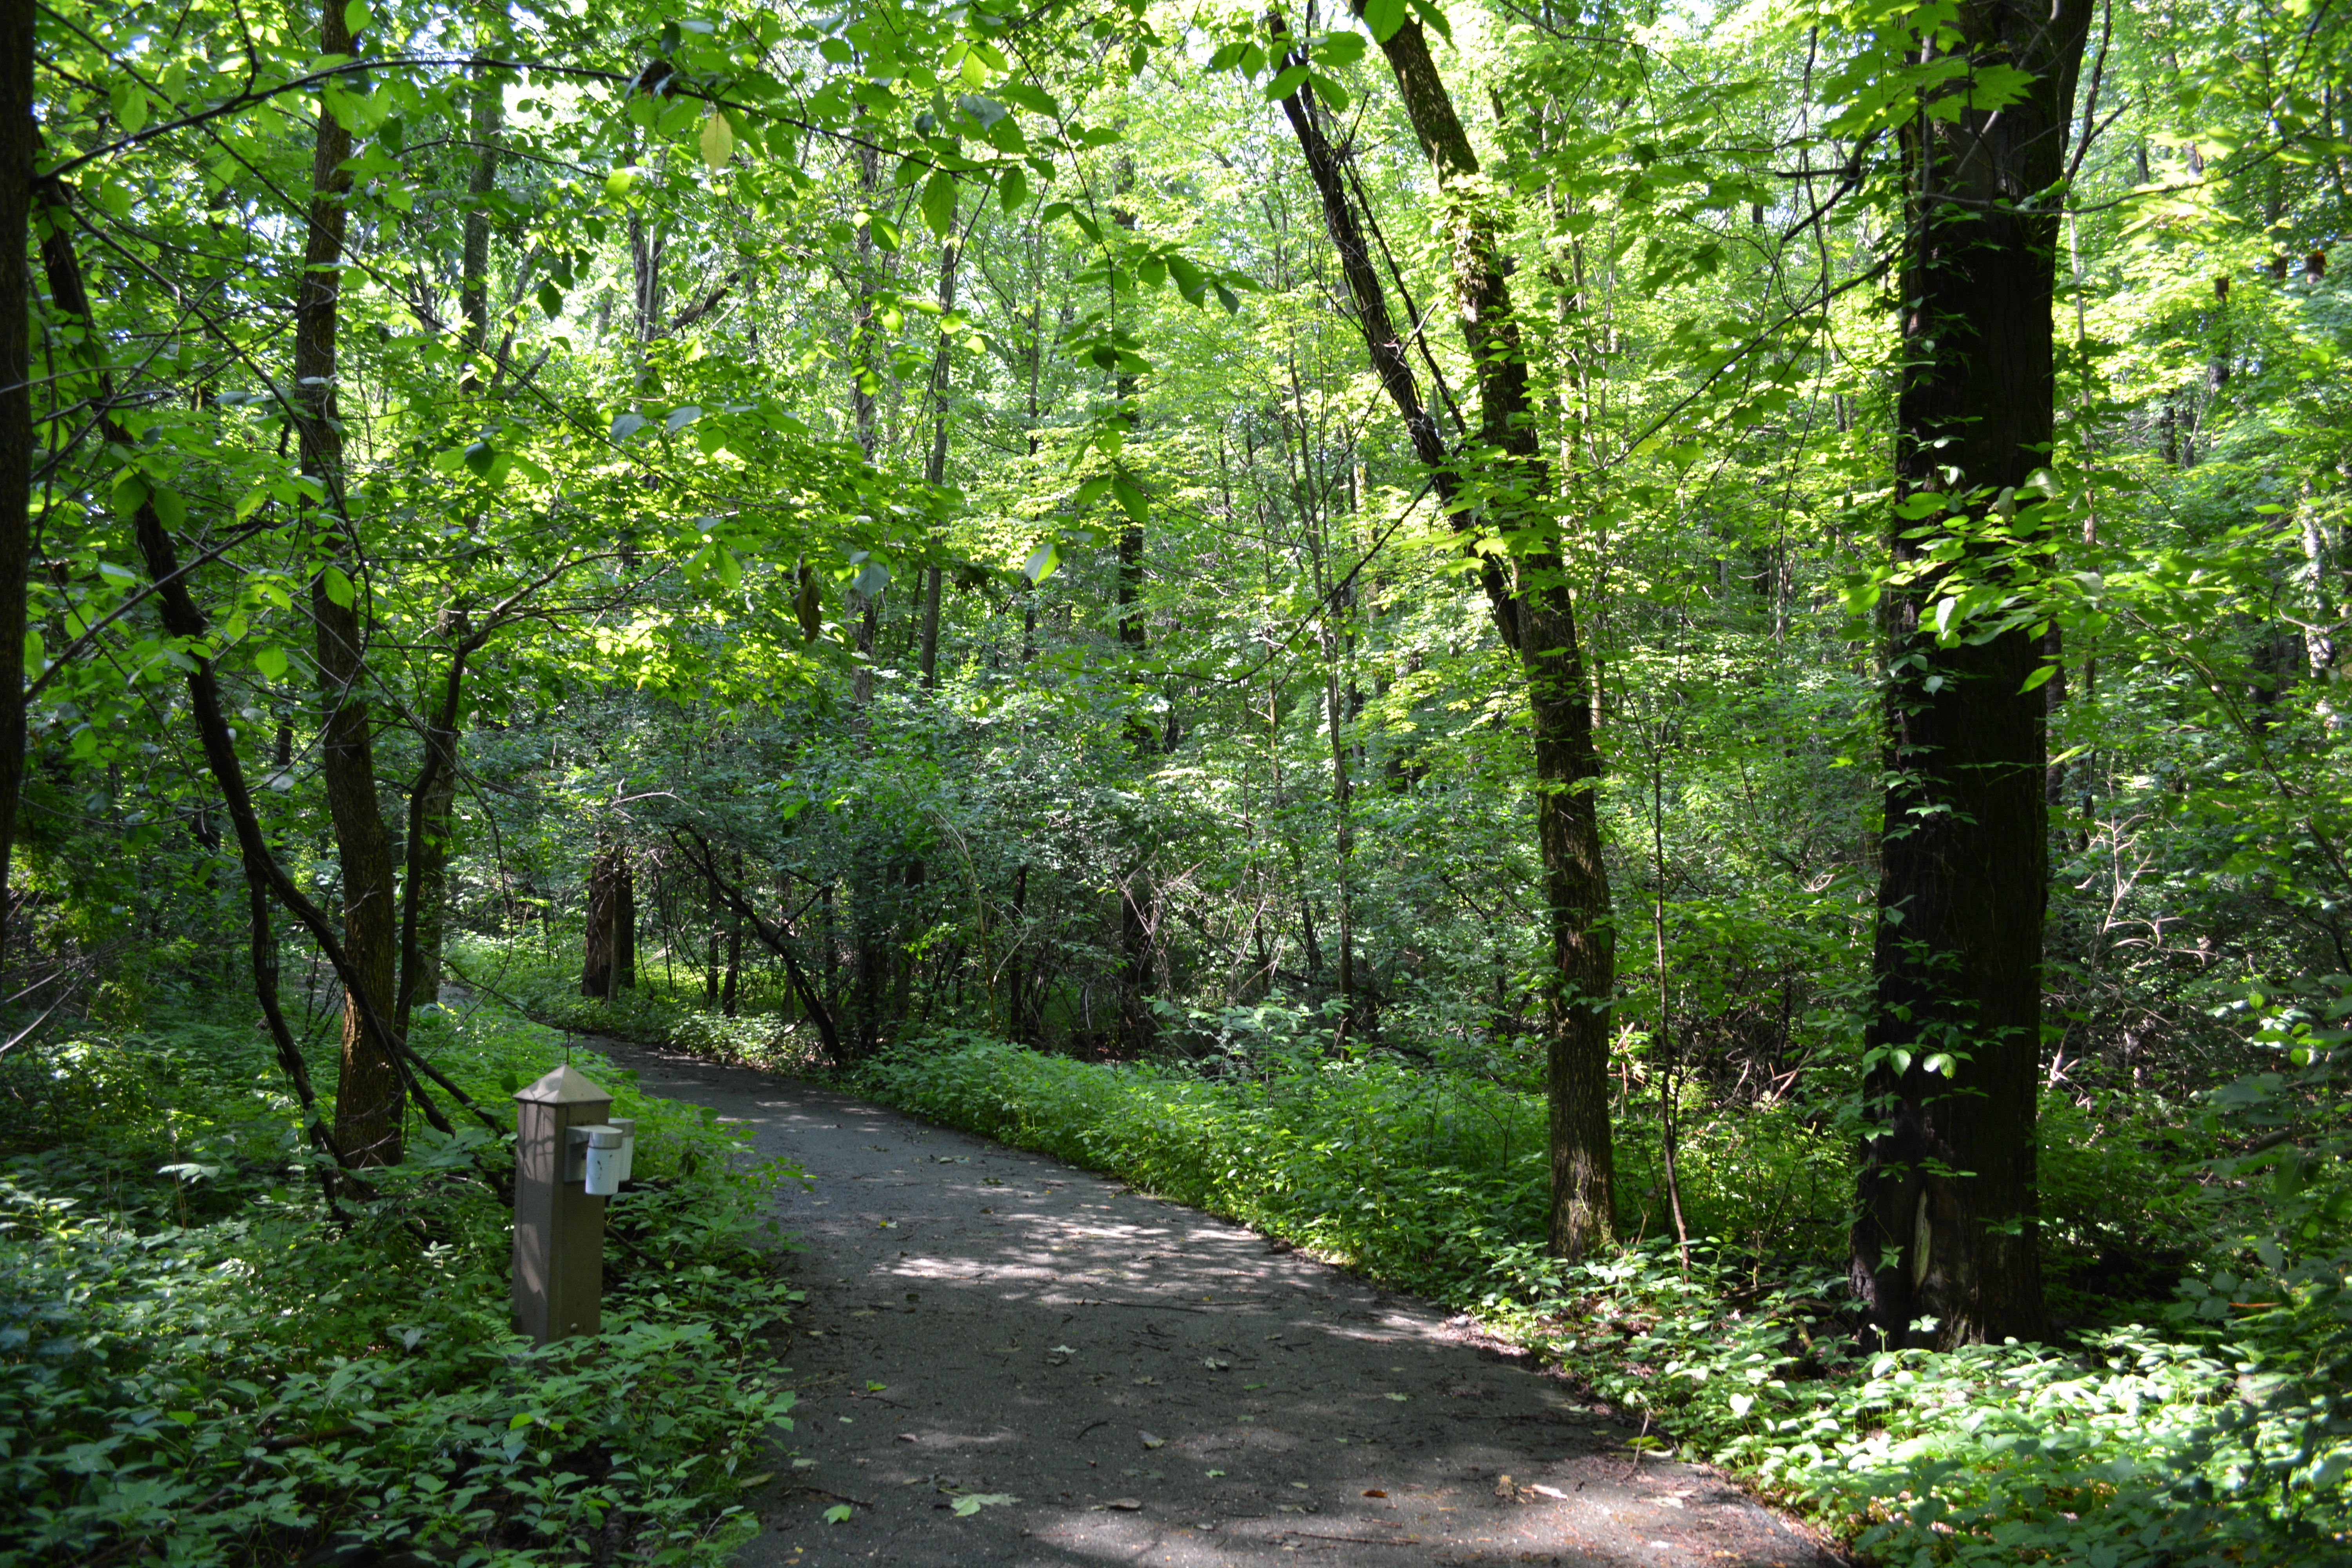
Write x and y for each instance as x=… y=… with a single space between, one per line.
x=1663 y=667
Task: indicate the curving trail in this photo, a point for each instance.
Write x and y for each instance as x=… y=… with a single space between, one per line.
x=1121 y=1380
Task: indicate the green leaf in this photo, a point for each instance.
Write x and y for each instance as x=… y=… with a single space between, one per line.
x=680 y=417
x=1283 y=85
x=1384 y=17
x=985 y=110
x=1041 y=561
x=1428 y=12
x=1029 y=98
x=729 y=570
x=338 y=586
x=550 y=300
x=627 y=424
x=2038 y=678
x=1339 y=49
x=718 y=142
x=1229 y=299
x=270 y=662
x=130 y=101
x=35 y=654
x=1330 y=91
x=356 y=17
x=169 y=511
x=1131 y=499
x=940 y=203
x=1011 y=188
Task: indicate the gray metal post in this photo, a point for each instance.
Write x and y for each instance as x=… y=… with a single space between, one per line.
x=558 y=1229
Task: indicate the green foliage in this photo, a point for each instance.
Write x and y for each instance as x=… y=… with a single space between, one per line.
x=198 y=1360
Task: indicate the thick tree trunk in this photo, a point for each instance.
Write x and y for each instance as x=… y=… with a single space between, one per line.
x=1507 y=488
x=368 y=1089
x=16 y=140
x=1948 y=1223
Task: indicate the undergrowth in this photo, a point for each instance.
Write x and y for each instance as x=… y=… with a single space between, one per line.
x=649 y=1013
x=200 y=1363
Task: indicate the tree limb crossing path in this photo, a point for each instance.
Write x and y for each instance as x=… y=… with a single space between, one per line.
x=1005 y=1360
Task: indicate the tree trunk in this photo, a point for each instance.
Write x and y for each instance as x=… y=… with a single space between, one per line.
x=935 y=469
x=733 y=987
x=609 y=958
x=1946 y=1227
x=428 y=889
x=16 y=139
x=1505 y=488
x=368 y=1089
x=473 y=285
x=1015 y=979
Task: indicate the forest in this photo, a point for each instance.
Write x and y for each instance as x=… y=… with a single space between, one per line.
x=1671 y=673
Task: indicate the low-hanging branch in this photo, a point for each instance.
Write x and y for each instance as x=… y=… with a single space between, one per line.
x=776 y=942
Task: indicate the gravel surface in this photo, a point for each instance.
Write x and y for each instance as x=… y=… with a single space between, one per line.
x=1004 y=1360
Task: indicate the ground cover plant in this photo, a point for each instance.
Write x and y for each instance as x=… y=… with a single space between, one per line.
x=201 y=1364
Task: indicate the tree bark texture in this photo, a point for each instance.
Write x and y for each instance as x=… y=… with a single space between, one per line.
x=609 y=957
x=935 y=466
x=473 y=285
x=16 y=153
x=1504 y=491
x=368 y=1089
x=1946 y=1222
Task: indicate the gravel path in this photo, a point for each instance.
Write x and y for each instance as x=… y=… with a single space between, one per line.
x=1004 y=1360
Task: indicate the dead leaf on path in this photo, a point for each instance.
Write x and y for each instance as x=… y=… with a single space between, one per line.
x=1548 y=1492
x=905 y=1437
x=1375 y=1492
x=1213 y=1364
x=1150 y=1441
x=1124 y=1505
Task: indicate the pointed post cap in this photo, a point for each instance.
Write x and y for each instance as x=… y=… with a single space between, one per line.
x=565 y=1086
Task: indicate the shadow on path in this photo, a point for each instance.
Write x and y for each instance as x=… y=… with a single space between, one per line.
x=1122 y=1379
